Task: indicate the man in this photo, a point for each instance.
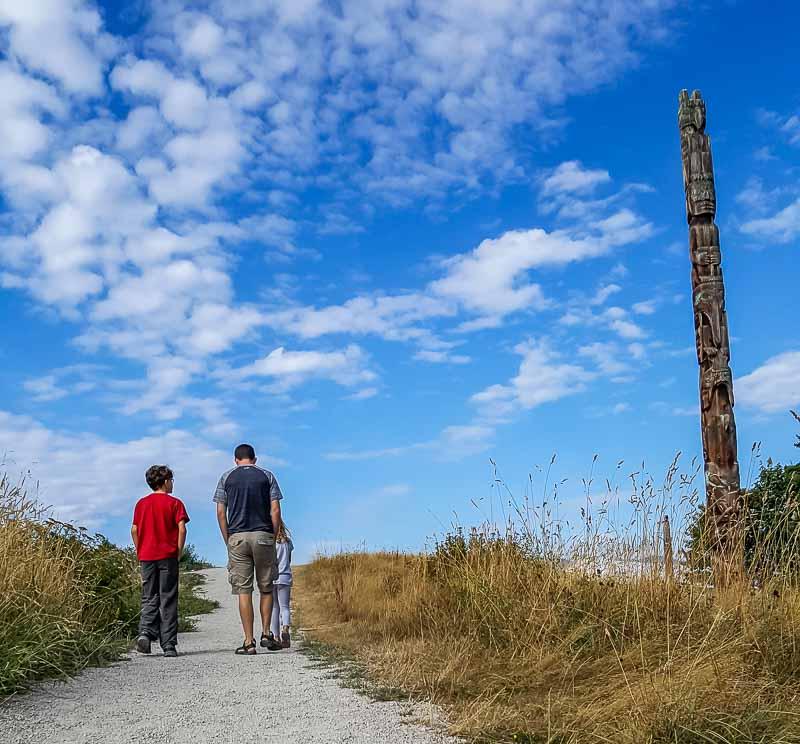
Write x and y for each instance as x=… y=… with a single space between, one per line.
x=248 y=502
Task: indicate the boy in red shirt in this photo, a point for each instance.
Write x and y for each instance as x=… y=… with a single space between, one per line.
x=159 y=534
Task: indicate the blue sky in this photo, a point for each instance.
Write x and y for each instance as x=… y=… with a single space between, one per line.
x=385 y=242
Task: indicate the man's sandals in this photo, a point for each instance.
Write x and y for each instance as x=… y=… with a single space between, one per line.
x=246 y=649
x=268 y=642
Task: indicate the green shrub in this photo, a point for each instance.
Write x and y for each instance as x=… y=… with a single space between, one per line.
x=770 y=524
x=191 y=559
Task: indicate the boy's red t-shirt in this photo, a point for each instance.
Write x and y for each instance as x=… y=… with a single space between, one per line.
x=156 y=518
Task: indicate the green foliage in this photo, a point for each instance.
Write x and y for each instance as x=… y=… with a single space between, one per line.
x=771 y=524
x=191 y=560
x=191 y=602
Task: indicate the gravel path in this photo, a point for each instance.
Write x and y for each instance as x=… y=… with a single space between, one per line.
x=209 y=696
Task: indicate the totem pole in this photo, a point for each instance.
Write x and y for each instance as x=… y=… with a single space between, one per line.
x=723 y=494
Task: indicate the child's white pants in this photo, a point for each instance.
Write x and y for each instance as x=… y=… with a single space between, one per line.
x=281 y=612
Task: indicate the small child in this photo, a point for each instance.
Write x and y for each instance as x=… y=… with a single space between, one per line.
x=159 y=534
x=282 y=591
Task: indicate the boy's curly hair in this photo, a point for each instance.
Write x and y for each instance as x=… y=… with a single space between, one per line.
x=157 y=475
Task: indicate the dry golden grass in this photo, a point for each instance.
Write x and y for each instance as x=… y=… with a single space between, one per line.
x=525 y=643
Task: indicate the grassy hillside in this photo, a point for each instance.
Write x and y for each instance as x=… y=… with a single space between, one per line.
x=521 y=639
x=68 y=598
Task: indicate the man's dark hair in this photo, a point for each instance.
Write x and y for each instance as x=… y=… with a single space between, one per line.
x=157 y=475
x=244 y=452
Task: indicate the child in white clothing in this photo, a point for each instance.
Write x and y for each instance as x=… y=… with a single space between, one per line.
x=282 y=587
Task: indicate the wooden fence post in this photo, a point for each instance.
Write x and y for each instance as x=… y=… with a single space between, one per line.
x=669 y=572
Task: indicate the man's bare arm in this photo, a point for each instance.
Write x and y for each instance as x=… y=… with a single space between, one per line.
x=135 y=536
x=181 y=536
x=275 y=513
x=222 y=518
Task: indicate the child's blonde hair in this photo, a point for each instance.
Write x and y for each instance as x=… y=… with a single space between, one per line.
x=283 y=534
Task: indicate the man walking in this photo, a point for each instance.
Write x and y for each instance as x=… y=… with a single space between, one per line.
x=248 y=502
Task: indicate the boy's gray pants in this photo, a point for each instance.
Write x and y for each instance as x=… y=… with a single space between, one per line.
x=159 y=620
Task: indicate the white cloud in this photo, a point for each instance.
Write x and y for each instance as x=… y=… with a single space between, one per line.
x=441 y=357
x=491 y=280
x=22 y=133
x=198 y=162
x=615 y=318
x=772 y=387
x=782 y=227
x=390 y=316
x=44 y=389
x=619 y=321
x=356 y=83
x=365 y=394
x=755 y=196
x=62 y=382
x=645 y=307
x=571 y=177
x=264 y=102
x=542 y=378
x=182 y=101
x=608 y=357
x=374 y=454
x=290 y=368
x=456 y=442
x=604 y=292
x=73 y=469
x=59 y=38
x=144 y=127
x=201 y=37
x=489 y=283
x=789 y=126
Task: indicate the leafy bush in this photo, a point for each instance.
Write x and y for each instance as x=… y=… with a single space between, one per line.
x=770 y=525
x=772 y=522
x=191 y=559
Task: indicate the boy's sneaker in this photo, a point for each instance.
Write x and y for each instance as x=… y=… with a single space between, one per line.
x=170 y=652
x=268 y=642
x=143 y=644
x=286 y=640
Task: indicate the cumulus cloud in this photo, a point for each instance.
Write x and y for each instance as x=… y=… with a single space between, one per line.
x=781 y=227
x=355 y=83
x=542 y=378
x=291 y=368
x=572 y=177
x=72 y=469
x=256 y=103
x=772 y=387
x=437 y=356
x=62 y=39
x=391 y=316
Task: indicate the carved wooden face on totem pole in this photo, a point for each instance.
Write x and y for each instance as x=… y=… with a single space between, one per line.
x=701 y=198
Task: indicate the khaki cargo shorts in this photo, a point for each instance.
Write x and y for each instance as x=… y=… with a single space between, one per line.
x=248 y=552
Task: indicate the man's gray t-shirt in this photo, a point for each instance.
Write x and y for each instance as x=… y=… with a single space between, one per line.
x=247 y=492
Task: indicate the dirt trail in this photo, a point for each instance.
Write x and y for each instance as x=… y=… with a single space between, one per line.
x=208 y=696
